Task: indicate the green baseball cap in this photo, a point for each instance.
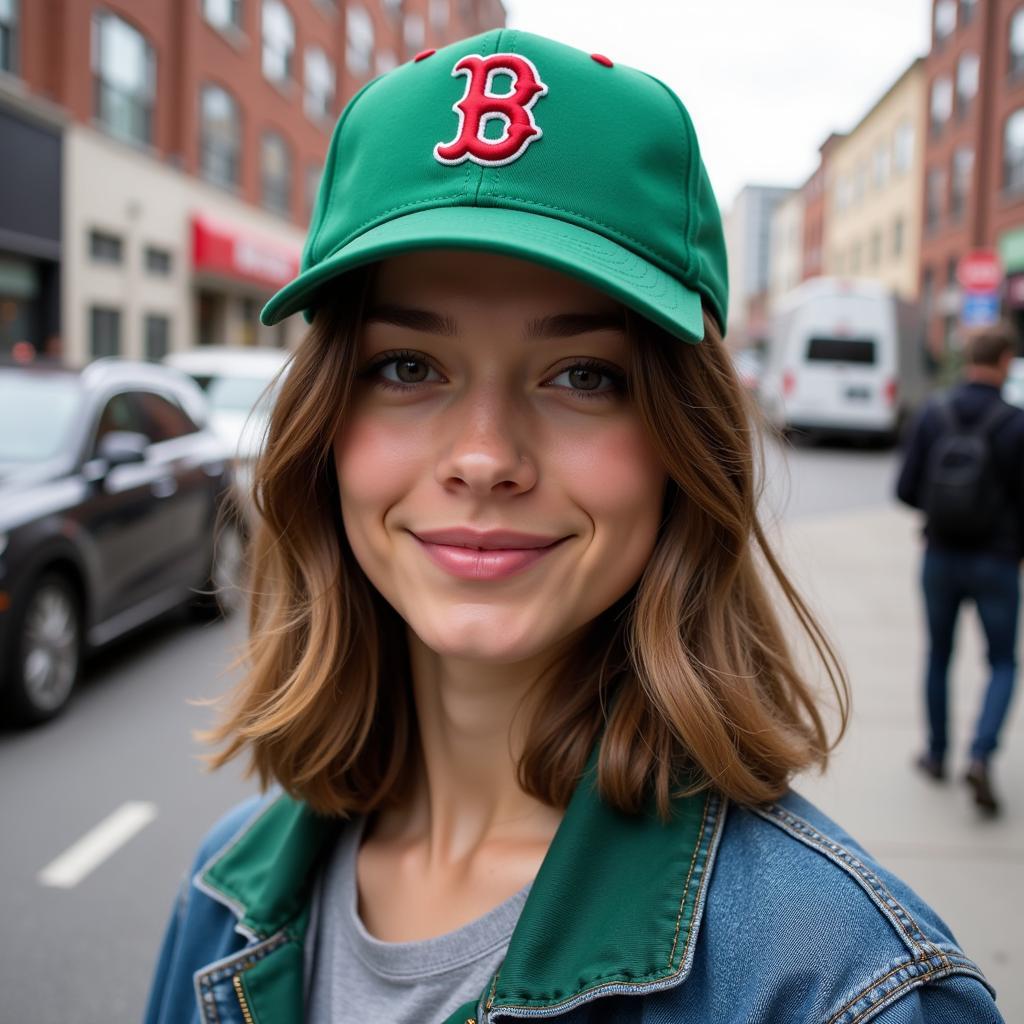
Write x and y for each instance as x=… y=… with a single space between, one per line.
x=517 y=144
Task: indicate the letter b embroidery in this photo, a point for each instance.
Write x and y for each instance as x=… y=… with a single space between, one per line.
x=479 y=106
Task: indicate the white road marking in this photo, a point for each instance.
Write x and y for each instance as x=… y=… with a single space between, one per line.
x=99 y=843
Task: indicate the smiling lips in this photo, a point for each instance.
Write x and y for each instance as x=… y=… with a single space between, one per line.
x=491 y=555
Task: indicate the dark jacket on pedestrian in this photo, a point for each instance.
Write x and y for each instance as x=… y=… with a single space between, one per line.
x=971 y=401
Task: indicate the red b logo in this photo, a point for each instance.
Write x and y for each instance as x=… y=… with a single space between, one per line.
x=479 y=106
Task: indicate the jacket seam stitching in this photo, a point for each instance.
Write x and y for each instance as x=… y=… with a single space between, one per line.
x=873 y=886
x=932 y=974
x=689 y=875
x=704 y=843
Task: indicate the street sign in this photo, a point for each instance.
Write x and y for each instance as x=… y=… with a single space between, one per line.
x=979 y=271
x=980 y=310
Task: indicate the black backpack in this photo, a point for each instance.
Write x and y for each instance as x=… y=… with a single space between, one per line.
x=963 y=497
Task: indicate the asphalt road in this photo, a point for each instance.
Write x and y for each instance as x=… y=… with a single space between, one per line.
x=83 y=954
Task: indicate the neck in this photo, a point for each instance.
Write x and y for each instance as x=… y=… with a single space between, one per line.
x=472 y=719
x=994 y=375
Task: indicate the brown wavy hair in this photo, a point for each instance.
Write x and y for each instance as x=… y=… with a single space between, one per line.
x=688 y=679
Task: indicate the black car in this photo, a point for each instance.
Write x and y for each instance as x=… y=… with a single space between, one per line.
x=113 y=510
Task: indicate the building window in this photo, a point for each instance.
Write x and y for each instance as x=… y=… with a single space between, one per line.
x=927 y=290
x=320 y=82
x=860 y=178
x=881 y=164
x=963 y=167
x=386 y=60
x=223 y=14
x=276 y=168
x=897 y=237
x=314 y=172
x=358 y=40
x=105 y=248
x=9 y=36
x=220 y=136
x=440 y=12
x=278 y=41
x=104 y=331
x=414 y=33
x=941 y=106
x=945 y=19
x=855 y=258
x=876 y=248
x=1013 y=152
x=1017 y=43
x=967 y=70
x=935 y=194
x=157 y=336
x=124 y=79
x=393 y=7
x=903 y=147
x=158 y=261
x=968 y=9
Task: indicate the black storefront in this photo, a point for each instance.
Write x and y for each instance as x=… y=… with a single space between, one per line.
x=30 y=234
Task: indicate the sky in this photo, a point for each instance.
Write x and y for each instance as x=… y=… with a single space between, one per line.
x=765 y=81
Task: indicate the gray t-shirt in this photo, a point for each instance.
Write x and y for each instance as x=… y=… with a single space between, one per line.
x=353 y=977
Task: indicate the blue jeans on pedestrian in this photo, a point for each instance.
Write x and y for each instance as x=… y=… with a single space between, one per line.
x=993 y=583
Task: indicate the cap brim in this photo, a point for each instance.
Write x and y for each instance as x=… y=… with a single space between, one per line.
x=555 y=243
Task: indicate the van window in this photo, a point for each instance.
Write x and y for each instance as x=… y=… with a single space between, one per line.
x=842 y=350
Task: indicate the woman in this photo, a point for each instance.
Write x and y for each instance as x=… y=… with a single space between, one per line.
x=513 y=661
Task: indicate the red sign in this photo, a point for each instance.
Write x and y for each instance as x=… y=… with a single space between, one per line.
x=220 y=249
x=979 y=271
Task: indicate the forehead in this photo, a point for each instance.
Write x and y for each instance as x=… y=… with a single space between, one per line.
x=433 y=277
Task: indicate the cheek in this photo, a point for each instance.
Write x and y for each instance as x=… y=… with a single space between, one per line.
x=615 y=475
x=373 y=459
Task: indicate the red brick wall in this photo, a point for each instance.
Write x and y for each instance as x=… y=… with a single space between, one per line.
x=55 y=63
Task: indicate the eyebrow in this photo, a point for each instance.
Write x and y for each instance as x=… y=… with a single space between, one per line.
x=560 y=325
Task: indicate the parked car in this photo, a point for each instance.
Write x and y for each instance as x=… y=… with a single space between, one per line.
x=844 y=356
x=114 y=508
x=240 y=386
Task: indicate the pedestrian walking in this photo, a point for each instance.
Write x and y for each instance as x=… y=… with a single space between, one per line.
x=964 y=467
x=516 y=679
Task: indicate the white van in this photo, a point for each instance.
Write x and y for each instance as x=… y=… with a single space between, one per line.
x=843 y=356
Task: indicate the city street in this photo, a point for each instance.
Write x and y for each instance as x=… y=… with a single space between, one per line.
x=82 y=954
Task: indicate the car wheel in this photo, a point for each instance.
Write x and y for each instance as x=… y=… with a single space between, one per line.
x=46 y=650
x=222 y=593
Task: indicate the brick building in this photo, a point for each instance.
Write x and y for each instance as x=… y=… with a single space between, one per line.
x=973 y=193
x=873 y=191
x=193 y=134
x=814 y=193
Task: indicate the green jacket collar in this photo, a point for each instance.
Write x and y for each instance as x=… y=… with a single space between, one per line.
x=615 y=907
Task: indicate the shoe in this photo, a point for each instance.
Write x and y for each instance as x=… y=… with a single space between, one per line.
x=977 y=777
x=932 y=767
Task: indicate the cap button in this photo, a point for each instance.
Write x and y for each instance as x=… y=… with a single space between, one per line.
x=601 y=59
x=424 y=54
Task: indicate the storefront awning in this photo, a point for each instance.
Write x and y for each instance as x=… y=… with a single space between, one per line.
x=225 y=250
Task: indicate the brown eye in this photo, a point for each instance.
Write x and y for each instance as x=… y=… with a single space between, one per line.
x=585 y=378
x=411 y=371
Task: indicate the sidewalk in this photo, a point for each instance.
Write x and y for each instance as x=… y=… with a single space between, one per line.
x=858 y=572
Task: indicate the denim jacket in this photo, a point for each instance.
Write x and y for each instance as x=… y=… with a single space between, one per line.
x=723 y=915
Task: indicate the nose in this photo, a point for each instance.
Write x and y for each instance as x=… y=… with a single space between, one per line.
x=484 y=448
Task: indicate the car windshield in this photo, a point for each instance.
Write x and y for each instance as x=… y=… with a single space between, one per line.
x=36 y=415
x=234 y=394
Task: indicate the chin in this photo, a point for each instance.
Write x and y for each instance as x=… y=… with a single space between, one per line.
x=500 y=639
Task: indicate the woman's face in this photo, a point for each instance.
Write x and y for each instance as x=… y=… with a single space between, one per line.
x=491 y=397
